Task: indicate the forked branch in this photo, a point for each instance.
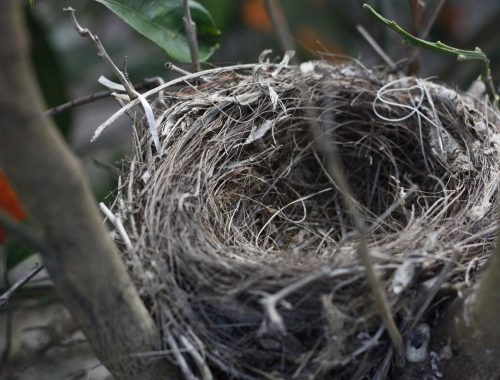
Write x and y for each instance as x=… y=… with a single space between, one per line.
x=101 y=53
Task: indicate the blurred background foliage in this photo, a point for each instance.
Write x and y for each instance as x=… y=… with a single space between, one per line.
x=67 y=67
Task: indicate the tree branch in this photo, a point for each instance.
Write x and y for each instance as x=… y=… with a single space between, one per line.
x=191 y=33
x=431 y=19
x=376 y=47
x=335 y=170
x=101 y=53
x=82 y=261
x=5 y=297
x=15 y=229
x=416 y=10
x=147 y=84
x=275 y=11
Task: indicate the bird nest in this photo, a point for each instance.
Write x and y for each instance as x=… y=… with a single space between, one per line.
x=241 y=244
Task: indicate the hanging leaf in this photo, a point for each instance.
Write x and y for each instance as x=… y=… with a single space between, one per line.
x=17 y=252
x=161 y=21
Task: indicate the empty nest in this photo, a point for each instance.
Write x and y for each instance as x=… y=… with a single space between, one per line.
x=242 y=247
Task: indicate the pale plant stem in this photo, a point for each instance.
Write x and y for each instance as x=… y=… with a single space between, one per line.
x=277 y=15
x=190 y=27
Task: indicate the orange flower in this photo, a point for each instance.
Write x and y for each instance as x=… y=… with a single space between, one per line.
x=255 y=15
x=9 y=203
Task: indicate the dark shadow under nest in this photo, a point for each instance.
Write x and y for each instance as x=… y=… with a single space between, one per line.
x=242 y=247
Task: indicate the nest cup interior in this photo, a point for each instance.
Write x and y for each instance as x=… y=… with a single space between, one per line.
x=285 y=200
x=243 y=247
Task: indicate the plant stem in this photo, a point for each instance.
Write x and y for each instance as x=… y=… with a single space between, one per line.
x=191 y=33
x=278 y=18
x=460 y=54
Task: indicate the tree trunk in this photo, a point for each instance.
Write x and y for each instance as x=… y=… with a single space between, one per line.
x=82 y=260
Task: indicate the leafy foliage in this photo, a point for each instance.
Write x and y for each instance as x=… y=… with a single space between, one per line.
x=161 y=21
x=17 y=252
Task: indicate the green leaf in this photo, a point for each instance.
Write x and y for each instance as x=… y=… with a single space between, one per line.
x=222 y=11
x=16 y=253
x=161 y=21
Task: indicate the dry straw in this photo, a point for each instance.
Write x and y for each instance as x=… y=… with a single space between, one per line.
x=242 y=247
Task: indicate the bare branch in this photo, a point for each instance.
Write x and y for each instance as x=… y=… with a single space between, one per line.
x=270 y=302
x=431 y=19
x=191 y=33
x=275 y=11
x=434 y=289
x=101 y=53
x=127 y=85
x=378 y=49
x=336 y=172
x=4 y=298
x=416 y=8
x=177 y=69
x=147 y=84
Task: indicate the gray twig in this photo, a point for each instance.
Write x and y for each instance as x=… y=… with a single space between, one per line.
x=434 y=13
x=270 y=302
x=378 y=49
x=429 y=297
x=28 y=237
x=147 y=84
x=101 y=53
x=181 y=71
x=416 y=8
x=177 y=69
x=5 y=297
x=181 y=362
x=275 y=11
x=335 y=171
x=190 y=27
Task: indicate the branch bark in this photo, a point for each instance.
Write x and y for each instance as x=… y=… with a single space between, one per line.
x=82 y=260
x=280 y=24
x=191 y=32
